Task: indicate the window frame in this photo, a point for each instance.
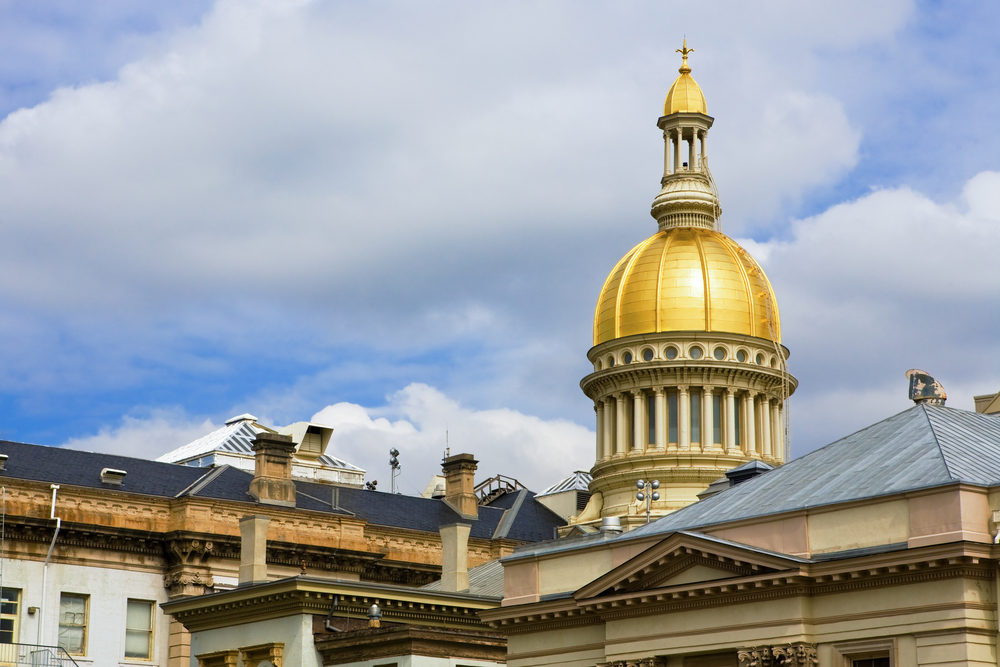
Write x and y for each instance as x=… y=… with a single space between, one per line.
x=16 y=616
x=150 y=632
x=85 y=625
x=848 y=652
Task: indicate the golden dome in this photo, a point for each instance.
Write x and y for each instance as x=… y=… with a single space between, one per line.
x=686 y=279
x=685 y=95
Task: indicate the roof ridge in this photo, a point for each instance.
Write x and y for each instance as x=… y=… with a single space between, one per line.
x=203 y=481
x=937 y=441
x=510 y=515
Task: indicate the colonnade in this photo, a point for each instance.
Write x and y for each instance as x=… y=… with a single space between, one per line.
x=673 y=139
x=690 y=419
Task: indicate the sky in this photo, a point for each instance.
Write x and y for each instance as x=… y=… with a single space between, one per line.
x=394 y=218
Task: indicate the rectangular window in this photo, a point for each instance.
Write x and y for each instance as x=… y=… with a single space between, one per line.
x=695 y=415
x=717 y=417
x=73 y=623
x=10 y=602
x=139 y=629
x=871 y=662
x=672 y=416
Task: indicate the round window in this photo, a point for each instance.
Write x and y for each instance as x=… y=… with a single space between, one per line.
x=627 y=357
x=597 y=366
x=774 y=362
x=760 y=359
x=647 y=354
x=611 y=362
x=719 y=353
x=741 y=356
x=695 y=353
x=670 y=353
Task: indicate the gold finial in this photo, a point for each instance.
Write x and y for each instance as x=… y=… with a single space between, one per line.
x=684 y=51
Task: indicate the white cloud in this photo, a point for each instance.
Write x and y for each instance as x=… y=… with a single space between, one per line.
x=416 y=419
x=889 y=282
x=145 y=437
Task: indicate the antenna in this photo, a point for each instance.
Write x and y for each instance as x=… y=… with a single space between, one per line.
x=394 y=466
x=447 y=447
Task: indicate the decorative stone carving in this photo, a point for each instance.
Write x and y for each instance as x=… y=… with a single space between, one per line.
x=758 y=656
x=800 y=654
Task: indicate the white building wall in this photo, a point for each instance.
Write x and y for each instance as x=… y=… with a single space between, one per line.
x=108 y=590
x=295 y=632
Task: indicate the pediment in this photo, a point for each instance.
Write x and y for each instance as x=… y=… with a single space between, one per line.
x=687 y=559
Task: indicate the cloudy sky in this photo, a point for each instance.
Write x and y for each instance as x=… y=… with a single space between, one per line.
x=395 y=217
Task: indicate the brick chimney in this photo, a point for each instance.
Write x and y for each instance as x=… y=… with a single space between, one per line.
x=253 y=549
x=272 y=477
x=459 y=484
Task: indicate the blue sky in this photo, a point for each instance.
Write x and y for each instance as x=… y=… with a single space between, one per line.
x=396 y=218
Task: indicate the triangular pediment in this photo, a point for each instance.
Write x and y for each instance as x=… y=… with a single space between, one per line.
x=687 y=559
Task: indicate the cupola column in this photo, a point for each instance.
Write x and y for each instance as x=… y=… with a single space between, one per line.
x=621 y=424
x=639 y=420
x=608 y=411
x=730 y=426
x=765 y=427
x=677 y=149
x=691 y=145
x=751 y=440
x=707 y=434
x=683 y=418
x=704 y=139
x=599 y=415
x=660 y=398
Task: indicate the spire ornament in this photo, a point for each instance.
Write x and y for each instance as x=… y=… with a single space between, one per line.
x=684 y=51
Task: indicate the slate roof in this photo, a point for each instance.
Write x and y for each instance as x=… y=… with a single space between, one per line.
x=921 y=447
x=524 y=521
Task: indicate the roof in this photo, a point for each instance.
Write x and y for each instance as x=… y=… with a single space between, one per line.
x=515 y=516
x=237 y=437
x=578 y=481
x=685 y=95
x=485 y=580
x=922 y=447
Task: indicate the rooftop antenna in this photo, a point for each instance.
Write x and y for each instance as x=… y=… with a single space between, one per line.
x=394 y=466
x=447 y=447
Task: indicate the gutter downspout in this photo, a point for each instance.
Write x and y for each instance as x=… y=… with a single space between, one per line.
x=45 y=567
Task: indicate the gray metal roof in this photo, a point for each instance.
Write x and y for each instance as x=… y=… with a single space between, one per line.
x=578 y=481
x=921 y=447
x=485 y=580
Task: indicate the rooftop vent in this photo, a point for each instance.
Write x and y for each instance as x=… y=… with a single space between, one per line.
x=113 y=476
x=611 y=525
x=924 y=388
x=3 y=461
x=245 y=417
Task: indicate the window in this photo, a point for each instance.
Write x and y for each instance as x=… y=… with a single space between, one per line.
x=871 y=662
x=73 y=623
x=10 y=600
x=647 y=354
x=139 y=629
x=627 y=358
x=672 y=416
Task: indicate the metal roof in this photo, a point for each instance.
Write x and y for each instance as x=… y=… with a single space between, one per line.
x=578 y=481
x=921 y=447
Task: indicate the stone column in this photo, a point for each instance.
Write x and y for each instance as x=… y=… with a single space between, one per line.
x=765 y=426
x=639 y=421
x=750 y=406
x=677 y=150
x=691 y=149
x=707 y=430
x=729 y=428
x=661 y=418
x=777 y=436
x=704 y=140
x=621 y=424
x=666 y=152
x=599 y=414
x=781 y=429
x=683 y=418
x=609 y=426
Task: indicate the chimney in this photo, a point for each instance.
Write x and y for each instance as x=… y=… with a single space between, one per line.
x=459 y=484
x=455 y=556
x=272 y=477
x=253 y=549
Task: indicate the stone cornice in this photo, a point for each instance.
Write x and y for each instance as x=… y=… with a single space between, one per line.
x=386 y=642
x=310 y=595
x=955 y=560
